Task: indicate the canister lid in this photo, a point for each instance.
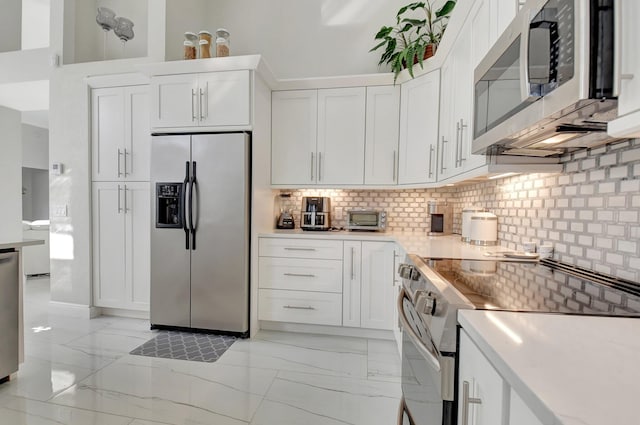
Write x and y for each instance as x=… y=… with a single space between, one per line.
x=189 y=43
x=484 y=216
x=190 y=36
x=205 y=32
x=203 y=42
x=222 y=32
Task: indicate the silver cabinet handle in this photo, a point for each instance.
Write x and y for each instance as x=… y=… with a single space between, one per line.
x=200 y=104
x=442 y=167
x=206 y=102
x=626 y=76
x=299 y=249
x=462 y=127
x=319 y=166
x=299 y=275
x=353 y=258
x=193 y=108
x=119 y=208
x=295 y=307
x=119 y=154
x=466 y=401
x=312 y=164
x=431 y=358
x=431 y=149
x=125 y=199
x=395 y=175
x=126 y=152
x=458 y=131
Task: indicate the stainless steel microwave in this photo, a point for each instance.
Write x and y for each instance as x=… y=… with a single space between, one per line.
x=548 y=86
x=372 y=220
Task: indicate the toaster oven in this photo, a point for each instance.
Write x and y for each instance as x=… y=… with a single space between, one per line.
x=371 y=220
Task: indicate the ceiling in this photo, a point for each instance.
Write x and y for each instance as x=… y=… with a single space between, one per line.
x=36 y=118
x=29 y=97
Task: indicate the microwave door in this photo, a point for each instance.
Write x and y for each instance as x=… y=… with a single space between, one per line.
x=529 y=92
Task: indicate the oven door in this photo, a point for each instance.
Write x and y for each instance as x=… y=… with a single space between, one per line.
x=422 y=402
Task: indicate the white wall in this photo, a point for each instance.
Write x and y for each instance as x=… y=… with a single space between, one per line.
x=10 y=175
x=35 y=194
x=35 y=147
x=298 y=38
x=10 y=20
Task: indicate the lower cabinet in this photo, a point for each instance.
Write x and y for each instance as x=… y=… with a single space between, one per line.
x=323 y=282
x=484 y=397
x=368 y=293
x=121 y=253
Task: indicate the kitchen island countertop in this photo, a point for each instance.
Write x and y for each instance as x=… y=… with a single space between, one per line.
x=19 y=244
x=569 y=370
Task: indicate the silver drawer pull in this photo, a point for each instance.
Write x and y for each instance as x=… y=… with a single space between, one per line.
x=295 y=307
x=299 y=275
x=466 y=401
x=299 y=249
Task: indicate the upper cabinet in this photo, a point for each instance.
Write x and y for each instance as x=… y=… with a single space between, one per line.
x=217 y=99
x=120 y=133
x=345 y=136
x=628 y=125
x=419 y=115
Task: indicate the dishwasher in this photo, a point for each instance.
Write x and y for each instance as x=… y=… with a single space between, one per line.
x=9 y=322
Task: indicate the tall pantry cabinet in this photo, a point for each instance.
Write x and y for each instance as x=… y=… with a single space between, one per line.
x=121 y=209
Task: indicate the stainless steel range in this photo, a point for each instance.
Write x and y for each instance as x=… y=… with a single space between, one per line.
x=435 y=289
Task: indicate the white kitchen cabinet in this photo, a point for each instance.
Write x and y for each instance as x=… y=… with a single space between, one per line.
x=419 y=118
x=341 y=127
x=479 y=383
x=121 y=251
x=217 y=99
x=628 y=123
x=399 y=258
x=294 y=136
x=120 y=133
x=381 y=138
x=351 y=278
x=368 y=291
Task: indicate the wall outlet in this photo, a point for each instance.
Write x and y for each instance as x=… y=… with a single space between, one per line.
x=60 y=211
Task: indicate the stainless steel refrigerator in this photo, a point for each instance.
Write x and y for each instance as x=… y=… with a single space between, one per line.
x=200 y=231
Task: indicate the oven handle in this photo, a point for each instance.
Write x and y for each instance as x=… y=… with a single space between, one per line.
x=401 y=409
x=526 y=96
x=422 y=348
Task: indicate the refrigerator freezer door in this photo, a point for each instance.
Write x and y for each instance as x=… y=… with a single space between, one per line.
x=219 y=264
x=170 y=259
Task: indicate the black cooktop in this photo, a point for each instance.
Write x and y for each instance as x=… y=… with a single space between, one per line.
x=545 y=286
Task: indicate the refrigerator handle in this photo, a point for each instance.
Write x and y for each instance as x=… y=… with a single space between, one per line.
x=192 y=224
x=184 y=206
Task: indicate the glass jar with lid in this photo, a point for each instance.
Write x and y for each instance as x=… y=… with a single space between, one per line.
x=222 y=43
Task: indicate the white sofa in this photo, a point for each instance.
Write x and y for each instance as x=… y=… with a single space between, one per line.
x=36 y=258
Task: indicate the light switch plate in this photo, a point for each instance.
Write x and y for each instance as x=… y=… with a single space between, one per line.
x=60 y=211
x=338 y=213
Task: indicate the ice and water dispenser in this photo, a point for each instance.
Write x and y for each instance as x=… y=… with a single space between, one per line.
x=169 y=213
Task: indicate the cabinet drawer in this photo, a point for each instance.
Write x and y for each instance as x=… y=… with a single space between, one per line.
x=301 y=248
x=318 y=308
x=301 y=274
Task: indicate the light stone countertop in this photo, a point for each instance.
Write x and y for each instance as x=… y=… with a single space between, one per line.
x=20 y=243
x=417 y=243
x=569 y=370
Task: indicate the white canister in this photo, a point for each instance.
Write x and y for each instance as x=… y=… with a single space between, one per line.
x=466 y=221
x=484 y=229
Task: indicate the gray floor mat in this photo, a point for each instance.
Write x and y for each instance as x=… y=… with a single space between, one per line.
x=197 y=347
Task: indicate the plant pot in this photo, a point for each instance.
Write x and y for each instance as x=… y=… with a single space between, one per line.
x=430 y=51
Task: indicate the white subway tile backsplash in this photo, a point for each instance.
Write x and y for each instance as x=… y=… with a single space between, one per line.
x=628 y=216
x=609 y=187
x=630 y=155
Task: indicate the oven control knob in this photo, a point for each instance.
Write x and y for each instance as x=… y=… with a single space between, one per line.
x=425 y=303
x=407 y=271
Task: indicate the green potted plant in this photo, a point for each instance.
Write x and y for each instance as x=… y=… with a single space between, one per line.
x=414 y=38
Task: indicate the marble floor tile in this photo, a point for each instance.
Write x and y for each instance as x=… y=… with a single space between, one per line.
x=111 y=341
x=273 y=412
x=383 y=361
x=65 y=355
x=172 y=391
x=336 y=344
x=269 y=355
x=39 y=379
x=347 y=400
x=21 y=411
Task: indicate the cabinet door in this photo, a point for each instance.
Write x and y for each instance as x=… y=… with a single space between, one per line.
x=138 y=251
x=398 y=256
x=137 y=133
x=175 y=100
x=447 y=140
x=377 y=295
x=224 y=99
x=629 y=99
x=109 y=253
x=351 y=279
x=294 y=117
x=382 y=132
x=519 y=412
x=419 y=116
x=107 y=129
x=341 y=125
x=483 y=382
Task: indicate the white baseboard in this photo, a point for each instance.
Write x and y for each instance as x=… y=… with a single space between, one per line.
x=73 y=310
x=327 y=330
x=134 y=314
